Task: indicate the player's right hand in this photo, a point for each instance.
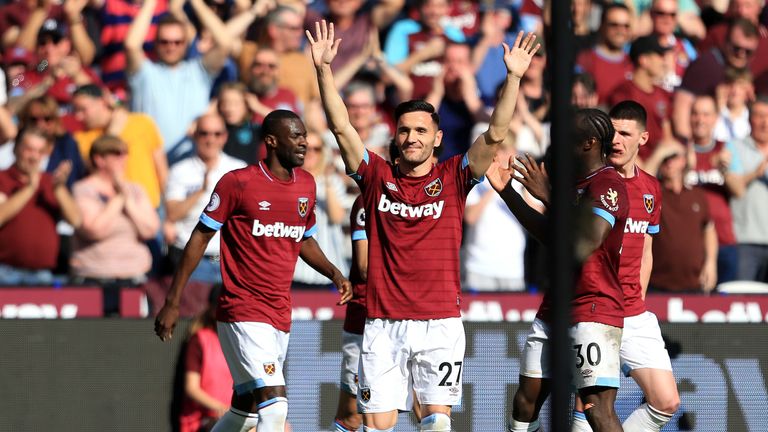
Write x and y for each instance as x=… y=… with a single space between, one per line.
x=323 y=46
x=345 y=289
x=166 y=322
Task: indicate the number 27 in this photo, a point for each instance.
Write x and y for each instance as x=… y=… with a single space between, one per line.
x=446 y=365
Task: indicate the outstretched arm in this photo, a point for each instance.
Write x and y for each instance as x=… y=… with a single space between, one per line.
x=324 y=48
x=517 y=59
x=312 y=254
x=193 y=251
x=134 y=39
x=501 y=180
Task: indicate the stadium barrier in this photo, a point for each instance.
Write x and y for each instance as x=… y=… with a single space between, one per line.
x=115 y=375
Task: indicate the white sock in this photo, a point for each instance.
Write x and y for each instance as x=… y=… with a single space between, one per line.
x=579 y=422
x=518 y=426
x=436 y=423
x=646 y=419
x=367 y=429
x=272 y=415
x=235 y=420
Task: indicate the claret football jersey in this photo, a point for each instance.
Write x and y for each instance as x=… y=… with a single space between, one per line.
x=263 y=221
x=354 y=319
x=414 y=234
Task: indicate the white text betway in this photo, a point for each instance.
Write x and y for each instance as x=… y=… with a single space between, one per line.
x=434 y=209
x=278 y=229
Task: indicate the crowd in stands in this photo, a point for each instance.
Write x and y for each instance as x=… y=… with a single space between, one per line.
x=118 y=117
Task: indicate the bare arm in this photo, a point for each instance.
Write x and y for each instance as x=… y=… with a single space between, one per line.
x=336 y=212
x=10 y=206
x=692 y=25
x=28 y=36
x=739 y=183
x=137 y=32
x=238 y=25
x=139 y=210
x=195 y=392
x=385 y=11
x=681 y=113
x=708 y=276
x=360 y=248
x=324 y=49
x=8 y=129
x=500 y=179
x=215 y=58
x=69 y=209
x=161 y=167
x=97 y=224
x=81 y=42
x=311 y=253
x=517 y=59
x=193 y=251
x=646 y=264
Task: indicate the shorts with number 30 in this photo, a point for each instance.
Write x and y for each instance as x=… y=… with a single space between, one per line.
x=402 y=357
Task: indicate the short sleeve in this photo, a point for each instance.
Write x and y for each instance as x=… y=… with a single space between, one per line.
x=224 y=200
x=655 y=225
x=609 y=199
x=396 y=45
x=311 y=227
x=465 y=178
x=367 y=170
x=357 y=220
x=736 y=166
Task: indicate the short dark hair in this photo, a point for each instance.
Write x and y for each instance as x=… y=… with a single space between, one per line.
x=169 y=19
x=630 y=110
x=416 y=106
x=272 y=121
x=610 y=7
x=592 y=123
x=746 y=26
x=91 y=90
x=586 y=80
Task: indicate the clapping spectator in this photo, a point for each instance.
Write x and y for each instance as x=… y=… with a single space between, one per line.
x=118 y=218
x=31 y=201
x=190 y=185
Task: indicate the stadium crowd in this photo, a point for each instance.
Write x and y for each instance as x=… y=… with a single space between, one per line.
x=118 y=118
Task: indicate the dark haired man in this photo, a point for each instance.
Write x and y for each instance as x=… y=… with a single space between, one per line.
x=413 y=338
x=266 y=216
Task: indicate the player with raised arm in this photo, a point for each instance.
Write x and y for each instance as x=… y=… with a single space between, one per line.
x=598 y=302
x=413 y=337
x=266 y=216
x=643 y=355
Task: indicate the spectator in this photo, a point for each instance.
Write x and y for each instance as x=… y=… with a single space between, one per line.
x=732 y=99
x=750 y=210
x=457 y=99
x=712 y=173
x=680 y=52
x=353 y=22
x=584 y=37
x=118 y=217
x=243 y=136
x=329 y=214
x=207 y=381
x=417 y=47
x=171 y=90
x=263 y=84
x=43 y=113
x=146 y=163
x=708 y=71
x=685 y=250
x=686 y=19
x=31 y=201
x=360 y=99
x=584 y=92
x=648 y=60
x=58 y=73
x=15 y=14
x=190 y=185
x=607 y=62
x=487 y=53
x=40 y=20
x=494 y=246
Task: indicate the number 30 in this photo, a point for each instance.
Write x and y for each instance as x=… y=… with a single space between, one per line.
x=592 y=348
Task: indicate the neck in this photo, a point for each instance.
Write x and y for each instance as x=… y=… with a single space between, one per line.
x=409 y=170
x=277 y=169
x=210 y=163
x=343 y=22
x=604 y=47
x=675 y=183
x=627 y=170
x=592 y=164
x=643 y=80
x=703 y=140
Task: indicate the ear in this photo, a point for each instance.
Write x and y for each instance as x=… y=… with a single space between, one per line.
x=438 y=138
x=644 y=137
x=270 y=141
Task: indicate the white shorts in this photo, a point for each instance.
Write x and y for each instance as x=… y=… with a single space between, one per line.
x=403 y=357
x=255 y=353
x=642 y=345
x=595 y=365
x=596 y=347
x=350 y=361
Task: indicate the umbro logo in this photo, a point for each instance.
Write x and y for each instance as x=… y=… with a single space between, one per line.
x=391 y=186
x=264 y=205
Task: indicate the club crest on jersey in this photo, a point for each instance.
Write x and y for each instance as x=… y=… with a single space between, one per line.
x=610 y=200
x=213 y=204
x=365 y=394
x=648 y=201
x=303 y=206
x=434 y=187
x=269 y=368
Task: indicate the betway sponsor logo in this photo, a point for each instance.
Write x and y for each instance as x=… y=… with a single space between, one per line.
x=435 y=209
x=635 y=226
x=278 y=229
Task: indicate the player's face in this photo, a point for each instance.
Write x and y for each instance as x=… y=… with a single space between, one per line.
x=417 y=136
x=291 y=143
x=626 y=142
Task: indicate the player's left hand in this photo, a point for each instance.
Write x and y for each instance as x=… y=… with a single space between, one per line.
x=518 y=58
x=345 y=289
x=533 y=177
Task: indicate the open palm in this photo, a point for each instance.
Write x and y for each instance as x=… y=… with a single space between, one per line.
x=518 y=58
x=323 y=46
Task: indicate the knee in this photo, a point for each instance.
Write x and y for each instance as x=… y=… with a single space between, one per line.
x=437 y=422
x=599 y=413
x=273 y=414
x=669 y=404
x=379 y=422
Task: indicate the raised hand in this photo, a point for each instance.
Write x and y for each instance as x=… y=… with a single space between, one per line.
x=533 y=177
x=499 y=176
x=323 y=46
x=518 y=58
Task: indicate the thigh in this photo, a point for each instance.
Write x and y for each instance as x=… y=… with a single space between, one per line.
x=255 y=353
x=596 y=350
x=534 y=362
x=384 y=376
x=438 y=362
x=642 y=346
x=350 y=361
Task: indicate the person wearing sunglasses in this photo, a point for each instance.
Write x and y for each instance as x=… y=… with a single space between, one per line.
x=190 y=185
